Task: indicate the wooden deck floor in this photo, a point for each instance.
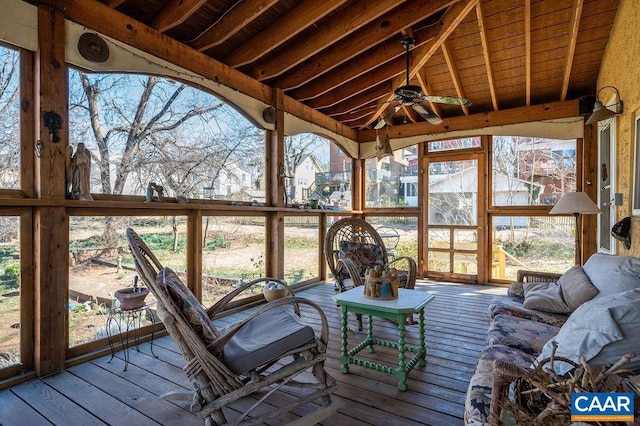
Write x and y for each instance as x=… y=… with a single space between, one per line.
x=99 y=392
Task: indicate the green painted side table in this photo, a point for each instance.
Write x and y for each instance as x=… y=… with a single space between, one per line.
x=408 y=302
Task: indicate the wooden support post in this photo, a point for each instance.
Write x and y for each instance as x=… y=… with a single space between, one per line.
x=51 y=226
x=274 y=262
x=194 y=252
x=587 y=181
x=27 y=175
x=422 y=219
x=322 y=262
x=484 y=254
x=357 y=185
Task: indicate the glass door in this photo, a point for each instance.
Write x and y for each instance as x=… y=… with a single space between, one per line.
x=605 y=178
x=453 y=243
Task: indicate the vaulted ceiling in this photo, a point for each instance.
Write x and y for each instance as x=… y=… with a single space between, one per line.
x=344 y=58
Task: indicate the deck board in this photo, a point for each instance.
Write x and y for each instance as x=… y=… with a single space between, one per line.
x=100 y=392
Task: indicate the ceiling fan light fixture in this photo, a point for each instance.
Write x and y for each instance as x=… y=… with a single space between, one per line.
x=412 y=95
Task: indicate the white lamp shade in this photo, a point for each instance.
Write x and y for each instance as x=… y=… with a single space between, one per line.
x=575 y=202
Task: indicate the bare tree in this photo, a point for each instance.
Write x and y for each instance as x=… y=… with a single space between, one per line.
x=9 y=119
x=126 y=113
x=143 y=129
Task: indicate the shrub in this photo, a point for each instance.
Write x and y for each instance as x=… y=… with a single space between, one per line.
x=218 y=242
x=12 y=272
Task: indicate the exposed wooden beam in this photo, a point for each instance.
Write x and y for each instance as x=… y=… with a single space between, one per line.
x=421 y=55
x=487 y=55
x=357 y=102
x=358 y=114
x=175 y=13
x=575 y=25
x=391 y=50
x=118 y=26
x=114 y=3
x=453 y=70
x=426 y=89
x=349 y=20
x=527 y=49
x=368 y=40
x=549 y=111
x=231 y=22
x=410 y=113
x=355 y=87
x=298 y=19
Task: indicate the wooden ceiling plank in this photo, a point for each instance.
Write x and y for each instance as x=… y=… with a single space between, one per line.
x=353 y=116
x=114 y=3
x=298 y=19
x=371 y=62
x=487 y=56
x=425 y=85
x=453 y=70
x=357 y=102
x=546 y=111
x=420 y=56
x=93 y=14
x=231 y=22
x=575 y=25
x=374 y=33
x=175 y=13
x=527 y=49
x=351 y=19
x=353 y=88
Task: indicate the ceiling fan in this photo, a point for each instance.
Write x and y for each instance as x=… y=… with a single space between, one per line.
x=412 y=96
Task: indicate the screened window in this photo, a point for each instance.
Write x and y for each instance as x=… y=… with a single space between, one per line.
x=9 y=291
x=316 y=169
x=150 y=129
x=392 y=181
x=532 y=171
x=9 y=118
x=92 y=285
x=453 y=144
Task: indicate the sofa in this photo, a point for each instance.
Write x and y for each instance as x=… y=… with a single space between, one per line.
x=591 y=311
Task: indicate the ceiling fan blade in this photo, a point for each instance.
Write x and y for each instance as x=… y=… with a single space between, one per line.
x=447 y=100
x=387 y=116
x=427 y=114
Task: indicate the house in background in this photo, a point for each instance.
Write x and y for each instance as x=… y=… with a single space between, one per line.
x=550 y=163
x=304 y=177
x=232 y=185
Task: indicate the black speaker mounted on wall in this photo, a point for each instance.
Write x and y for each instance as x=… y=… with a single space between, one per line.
x=586 y=105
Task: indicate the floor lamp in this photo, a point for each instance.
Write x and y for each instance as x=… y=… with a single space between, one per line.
x=575 y=203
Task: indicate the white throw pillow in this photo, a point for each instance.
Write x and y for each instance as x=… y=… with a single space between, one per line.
x=612 y=274
x=602 y=330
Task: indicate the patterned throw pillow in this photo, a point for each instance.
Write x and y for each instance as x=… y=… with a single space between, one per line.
x=365 y=255
x=186 y=302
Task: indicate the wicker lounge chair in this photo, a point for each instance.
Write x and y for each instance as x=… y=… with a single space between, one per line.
x=351 y=246
x=262 y=352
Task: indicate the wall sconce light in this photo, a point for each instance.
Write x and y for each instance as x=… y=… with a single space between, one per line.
x=601 y=112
